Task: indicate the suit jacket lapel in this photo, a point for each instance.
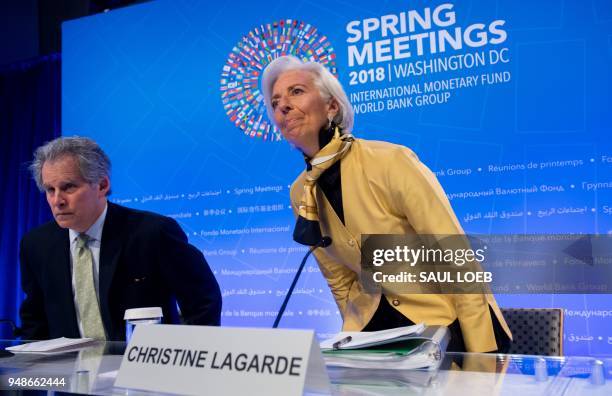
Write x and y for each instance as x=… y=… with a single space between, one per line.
x=110 y=249
x=349 y=170
x=60 y=276
x=343 y=237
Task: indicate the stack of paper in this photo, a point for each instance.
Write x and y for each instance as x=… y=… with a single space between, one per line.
x=364 y=339
x=56 y=345
x=411 y=347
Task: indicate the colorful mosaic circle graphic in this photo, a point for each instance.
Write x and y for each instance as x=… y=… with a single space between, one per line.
x=240 y=93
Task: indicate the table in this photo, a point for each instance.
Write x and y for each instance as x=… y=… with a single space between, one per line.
x=91 y=370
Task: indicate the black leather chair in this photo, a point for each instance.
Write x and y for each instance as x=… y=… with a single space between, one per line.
x=535 y=331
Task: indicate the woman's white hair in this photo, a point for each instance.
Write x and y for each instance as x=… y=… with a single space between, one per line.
x=328 y=85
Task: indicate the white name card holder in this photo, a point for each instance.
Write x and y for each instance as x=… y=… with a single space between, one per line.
x=196 y=360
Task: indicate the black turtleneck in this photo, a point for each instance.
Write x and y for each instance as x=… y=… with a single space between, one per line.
x=329 y=181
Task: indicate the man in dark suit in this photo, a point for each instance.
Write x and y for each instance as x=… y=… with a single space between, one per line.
x=97 y=259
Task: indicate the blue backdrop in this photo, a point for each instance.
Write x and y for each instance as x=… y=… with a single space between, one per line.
x=30 y=108
x=508 y=102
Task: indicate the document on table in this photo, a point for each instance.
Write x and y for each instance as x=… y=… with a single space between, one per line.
x=419 y=347
x=364 y=339
x=56 y=345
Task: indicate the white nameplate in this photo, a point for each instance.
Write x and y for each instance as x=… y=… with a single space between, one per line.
x=196 y=360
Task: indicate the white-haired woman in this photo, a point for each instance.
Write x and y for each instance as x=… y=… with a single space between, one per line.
x=352 y=187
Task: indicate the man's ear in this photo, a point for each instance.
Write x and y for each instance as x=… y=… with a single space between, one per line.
x=104 y=185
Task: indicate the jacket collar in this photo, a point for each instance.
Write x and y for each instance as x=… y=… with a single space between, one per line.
x=113 y=233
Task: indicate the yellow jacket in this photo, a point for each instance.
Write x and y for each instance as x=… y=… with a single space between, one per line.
x=387 y=190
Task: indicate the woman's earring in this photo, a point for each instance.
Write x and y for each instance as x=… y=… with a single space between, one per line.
x=330 y=119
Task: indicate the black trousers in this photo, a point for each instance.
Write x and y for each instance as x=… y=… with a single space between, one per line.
x=387 y=317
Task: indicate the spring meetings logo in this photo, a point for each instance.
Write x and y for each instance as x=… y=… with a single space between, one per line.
x=240 y=91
